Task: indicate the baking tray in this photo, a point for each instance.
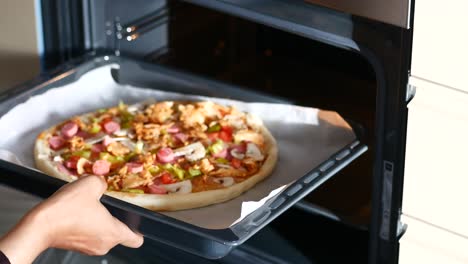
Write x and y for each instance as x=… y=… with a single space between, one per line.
x=207 y=243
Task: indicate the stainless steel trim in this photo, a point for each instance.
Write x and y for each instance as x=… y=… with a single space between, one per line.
x=395 y=12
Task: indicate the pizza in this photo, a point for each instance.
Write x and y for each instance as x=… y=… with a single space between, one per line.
x=163 y=156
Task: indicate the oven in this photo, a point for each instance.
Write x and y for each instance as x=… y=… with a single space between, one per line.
x=353 y=58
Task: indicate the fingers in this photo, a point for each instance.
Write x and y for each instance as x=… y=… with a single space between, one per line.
x=128 y=237
x=94 y=185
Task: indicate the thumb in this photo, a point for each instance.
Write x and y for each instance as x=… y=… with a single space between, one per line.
x=95 y=185
x=128 y=237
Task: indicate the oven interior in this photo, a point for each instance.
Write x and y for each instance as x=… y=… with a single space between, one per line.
x=303 y=71
x=300 y=70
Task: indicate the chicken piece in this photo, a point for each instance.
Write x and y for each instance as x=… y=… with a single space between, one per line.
x=159 y=112
x=113 y=111
x=250 y=164
x=198 y=133
x=238 y=122
x=248 y=135
x=191 y=116
x=80 y=123
x=117 y=149
x=114 y=182
x=148 y=160
x=206 y=166
x=76 y=143
x=123 y=171
x=141 y=118
x=134 y=180
x=209 y=109
x=231 y=172
x=149 y=132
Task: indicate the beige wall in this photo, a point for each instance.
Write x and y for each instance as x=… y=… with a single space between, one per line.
x=19 y=59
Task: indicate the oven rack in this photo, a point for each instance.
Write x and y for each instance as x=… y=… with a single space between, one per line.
x=208 y=243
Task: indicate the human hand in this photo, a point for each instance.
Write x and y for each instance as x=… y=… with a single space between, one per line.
x=73 y=219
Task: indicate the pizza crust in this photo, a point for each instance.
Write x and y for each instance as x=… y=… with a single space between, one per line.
x=168 y=202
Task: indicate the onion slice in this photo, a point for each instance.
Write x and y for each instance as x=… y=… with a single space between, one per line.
x=192 y=152
x=254 y=152
x=225 y=181
x=182 y=187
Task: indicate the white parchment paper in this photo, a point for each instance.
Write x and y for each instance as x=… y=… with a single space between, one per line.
x=306 y=136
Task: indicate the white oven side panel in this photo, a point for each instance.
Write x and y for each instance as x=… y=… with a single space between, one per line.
x=435 y=195
x=440 y=45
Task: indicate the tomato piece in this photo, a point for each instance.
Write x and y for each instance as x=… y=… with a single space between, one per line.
x=227 y=129
x=213 y=136
x=236 y=163
x=166 y=179
x=225 y=136
x=71 y=162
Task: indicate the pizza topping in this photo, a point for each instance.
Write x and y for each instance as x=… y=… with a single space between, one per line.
x=69 y=129
x=226 y=134
x=253 y=121
x=76 y=143
x=148 y=132
x=97 y=148
x=98 y=138
x=225 y=181
x=182 y=187
x=173 y=129
x=254 y=152
x=192 y=152
x=71 y=162
x=139 y=191
x=229 y=172
x=206 y=166
x=111 y=127
x=181 y=137
x=134 y=167
x=234 y=120
x=62 y=169
x=250 y=164
x=56 y=142
x=110 y=158
x=133 y=180
x=81 y=153
x=191 y=116
x=83 y=134
x=238 y=152
x=222 y=154
x=159 y=112
x=214 y=128
x=165 y=155
x=163 y=147
x=121 y=133
x=101 y=167
x=107 y=140
x=249 y=136
x=166 y=178
x=194 y=172
x=236 y=163
x=157 y=189
x=94 y=128
x=139 y=147
x=117 y=149
x=80 y=165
